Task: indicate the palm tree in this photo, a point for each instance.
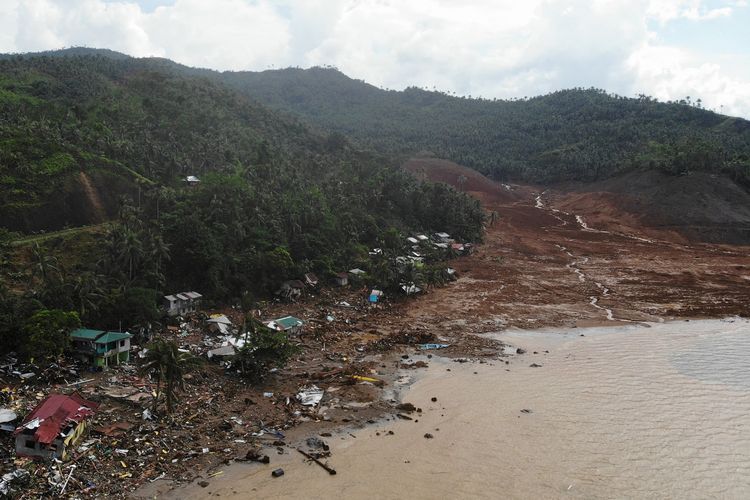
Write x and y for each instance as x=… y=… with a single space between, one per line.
x=43 y=265
x=86 y=291
x=168 y=365
x=158 y=251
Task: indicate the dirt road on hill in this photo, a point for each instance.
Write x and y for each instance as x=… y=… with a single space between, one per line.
x=553 y=258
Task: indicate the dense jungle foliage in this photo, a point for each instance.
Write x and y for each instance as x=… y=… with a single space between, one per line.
x=569 y=135
x=276 y=199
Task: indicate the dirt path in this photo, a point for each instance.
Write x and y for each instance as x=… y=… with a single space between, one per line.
x=92 y=195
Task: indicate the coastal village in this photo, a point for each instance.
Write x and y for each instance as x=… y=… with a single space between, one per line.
x=87 y=426
x=90 y=424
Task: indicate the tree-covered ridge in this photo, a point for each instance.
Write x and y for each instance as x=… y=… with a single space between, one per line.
x=577 y=134
x=125 y=118
x=116 y=137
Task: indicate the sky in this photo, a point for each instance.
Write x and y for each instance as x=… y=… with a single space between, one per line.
x=668 y=49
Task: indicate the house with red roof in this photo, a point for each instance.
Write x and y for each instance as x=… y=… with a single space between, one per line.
x=54 y=426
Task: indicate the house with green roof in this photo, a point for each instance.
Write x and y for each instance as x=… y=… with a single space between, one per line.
x=101 y=348
x=287 y=324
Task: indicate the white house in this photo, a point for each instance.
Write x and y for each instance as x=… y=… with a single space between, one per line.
x=182 y=303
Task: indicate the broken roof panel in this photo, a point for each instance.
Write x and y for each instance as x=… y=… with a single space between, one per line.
x=226 y=350
x=287 y=322
x=193 y=295
x=219 y=319
x=182 y=296
x=54 y=412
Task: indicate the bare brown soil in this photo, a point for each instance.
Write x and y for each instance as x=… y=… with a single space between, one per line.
x=524 y=275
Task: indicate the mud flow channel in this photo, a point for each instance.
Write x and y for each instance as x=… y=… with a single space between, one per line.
x=642 y=411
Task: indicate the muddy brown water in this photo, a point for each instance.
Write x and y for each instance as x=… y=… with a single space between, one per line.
x=656 y=411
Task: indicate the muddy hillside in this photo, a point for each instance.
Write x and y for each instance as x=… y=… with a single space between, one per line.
x=564 y=258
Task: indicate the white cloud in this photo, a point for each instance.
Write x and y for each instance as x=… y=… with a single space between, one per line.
x=493 y=48
x=695 y=10
x=670 y=73
x=8 y=25
x=220 y=34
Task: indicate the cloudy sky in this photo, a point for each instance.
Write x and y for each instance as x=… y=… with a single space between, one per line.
x=669 y=49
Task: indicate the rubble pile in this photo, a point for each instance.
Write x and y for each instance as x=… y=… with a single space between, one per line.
x=220 y=418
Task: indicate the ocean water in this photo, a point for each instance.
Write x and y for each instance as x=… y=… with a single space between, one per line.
x=656 y=411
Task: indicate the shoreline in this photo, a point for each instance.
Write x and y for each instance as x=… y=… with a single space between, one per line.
x=227 y=476
x=239 y=480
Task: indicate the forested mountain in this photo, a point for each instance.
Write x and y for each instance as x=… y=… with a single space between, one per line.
x=569 y=135
x=578 y=134
x=91 y=138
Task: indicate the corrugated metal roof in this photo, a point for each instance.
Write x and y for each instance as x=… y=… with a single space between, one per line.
x=98 y=336
x=53 y=413
x=85 y=334
x=112 y=337
x=288 y=322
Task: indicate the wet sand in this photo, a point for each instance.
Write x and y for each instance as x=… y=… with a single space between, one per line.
x=656 y=411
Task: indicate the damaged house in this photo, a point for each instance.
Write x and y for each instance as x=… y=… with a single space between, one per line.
x=182 y=303
x=288 y=324
x=291 y=290
x=219 y=323
x=54 y=426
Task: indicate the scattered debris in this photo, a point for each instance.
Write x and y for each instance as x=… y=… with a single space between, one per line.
x=407 y=407
x=310 y=396
x=330 y=470
x=425 y=347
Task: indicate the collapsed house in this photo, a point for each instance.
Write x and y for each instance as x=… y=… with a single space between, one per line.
x=54 y=426
x=182 y=303
x=311 y=279
x=291 y=290
x=219 y=323
x=99 y=348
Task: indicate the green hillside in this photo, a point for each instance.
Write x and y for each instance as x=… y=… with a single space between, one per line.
x=107 y=142
x=578 y=134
